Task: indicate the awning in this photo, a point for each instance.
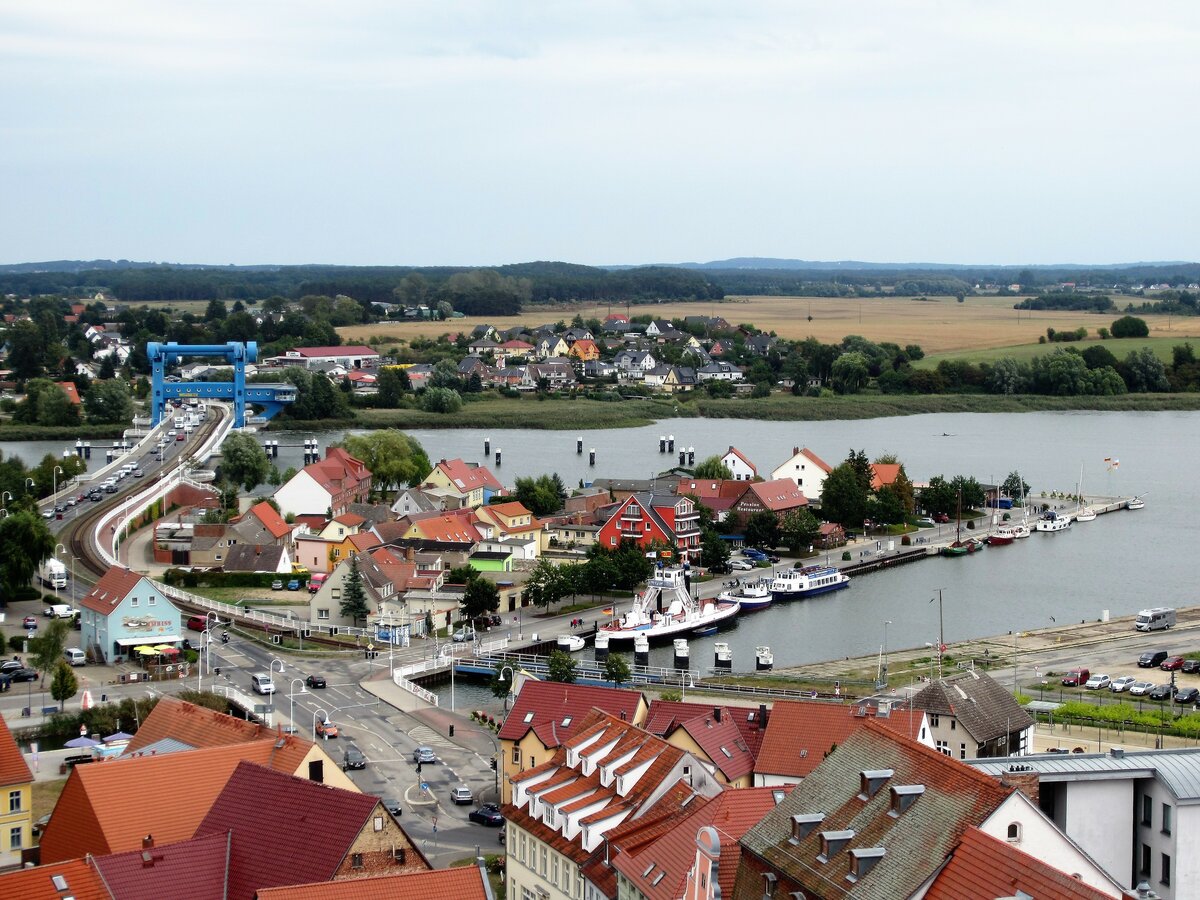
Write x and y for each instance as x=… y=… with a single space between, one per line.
x=142 y=641
x=147 y=651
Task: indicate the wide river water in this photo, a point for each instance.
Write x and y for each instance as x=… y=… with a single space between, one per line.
x=1122 y=562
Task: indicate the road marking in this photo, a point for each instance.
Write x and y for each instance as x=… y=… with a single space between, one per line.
x=426 y=736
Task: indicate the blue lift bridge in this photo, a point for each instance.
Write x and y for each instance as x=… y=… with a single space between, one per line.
x=271 y=397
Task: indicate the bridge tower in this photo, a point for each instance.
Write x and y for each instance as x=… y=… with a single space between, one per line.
x=271 y=396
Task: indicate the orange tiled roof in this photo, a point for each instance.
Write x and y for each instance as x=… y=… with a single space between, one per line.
x=721 y=743
x=109 y=807
x=983 y=868
x=780 y=494
x=468 y=478
x=353 y=520
x=462 y=883
x=446 y=529
x=555 y=711
x=883 y=474
x=82 y=880
x=734 y=451
x=113 y=587
x=197 y=726
x=13 y=768
x=271 y=520
x=364 y=540
x=817 y=461
x=70 y=390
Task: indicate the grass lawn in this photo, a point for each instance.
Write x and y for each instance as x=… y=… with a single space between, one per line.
x=1026 y=352
x=45 y=795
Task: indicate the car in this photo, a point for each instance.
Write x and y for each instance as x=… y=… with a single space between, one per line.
x=720 y=569
x=1096 y=682
x=392 y=805
x=10 y=665
x=942 y=518
x=1187 y=695
x=1162 y=692
x=110 y=489
x=461 y=795
x=294 y=584
x=352 y=758
x=315 y=681
x=1171 y=663
x=1141 y=688
x=60 y=508
x=277 y=585
x=741 y=565
x=463 y=635
x=95 y=498
x=29 y=623
x=48 y=514
x=262 y=683
x=1191 y=666
x=488 y=814
x=424 y=755
x=71 y=501
x=1151 y=659
x=756 y=555
x=138 y=473
x=925 y=522
x=325 y=729
x=181 y=436
x=1076 y=677
x=1124 y=683
x=24 y=675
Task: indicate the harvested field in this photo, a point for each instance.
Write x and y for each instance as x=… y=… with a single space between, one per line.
x=939 y=324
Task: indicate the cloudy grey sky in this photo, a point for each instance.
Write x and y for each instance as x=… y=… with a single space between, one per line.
x=391 y=132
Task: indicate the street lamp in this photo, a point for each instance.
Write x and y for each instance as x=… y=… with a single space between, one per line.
x=292 y=701
x=29 y=482
x=886 y=623
x=316 y=712
x=54 y=481
x=512 y=677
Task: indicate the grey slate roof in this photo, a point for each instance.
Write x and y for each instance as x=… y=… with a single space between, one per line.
x=984 y=708
x=1178 y=769
x=253 y=558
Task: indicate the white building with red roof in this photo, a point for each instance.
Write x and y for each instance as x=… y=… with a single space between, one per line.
x=352 y=356
x=740 y=467
x=126 y=610
x=331 y=484
x=806 y=469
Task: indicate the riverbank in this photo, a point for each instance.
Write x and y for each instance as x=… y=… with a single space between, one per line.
x=565 y=414
x=59 y=432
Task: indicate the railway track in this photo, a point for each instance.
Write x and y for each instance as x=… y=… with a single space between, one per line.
x=79 y=536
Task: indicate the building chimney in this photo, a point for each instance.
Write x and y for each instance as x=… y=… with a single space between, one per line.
x=148 y=842
x=795 y=451
x=717 y=714
x=762 y=715
x=1024 y=778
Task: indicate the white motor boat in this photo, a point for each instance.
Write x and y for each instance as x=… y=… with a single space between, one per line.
x=667 y=608
x=1052 y=521
x=570 y=642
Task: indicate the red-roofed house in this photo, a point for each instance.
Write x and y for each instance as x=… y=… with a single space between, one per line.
x=472 y=484
x=261 y=524
x=649 y=518
x=16 y=812
x=331 y=484
x=445 y=530
x=460 y=883
x=739 y=466
x=714 y=738
x=125 y=610
x=546 y=713
x=884 y=474
x=352 y=356
x=511 y=520
x=718 y=496
x=665 y=716
x=289 y=830
x=201 y=863
x=806 y=469
x=584 y=350
x=780 y=497
x=70 y=390
x=76 y=878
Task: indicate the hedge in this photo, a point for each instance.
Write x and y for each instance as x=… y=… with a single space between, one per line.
x=186 y=579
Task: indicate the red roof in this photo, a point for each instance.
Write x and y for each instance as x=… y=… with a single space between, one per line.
x=554 y=710
x=347 y=350
x=983 y=867
x=883 y=474
x=716 y=494
x=287 y=830
x=446 y=528
x=460 y=883
x=721 y=743
x=664 y=716
x=70 y=390
x=198 y=726
x=353 y=520
x=199 y=863
x=82 y=882
x=779 y=495
x=817 y=461
x=13 y=768
x=113 y=587
x=270 y=519
x=515 y=345
x=468 y=478
x=364 y=540
x=336 y=467
x=734 y=451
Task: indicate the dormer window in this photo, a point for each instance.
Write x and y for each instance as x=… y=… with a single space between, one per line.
x=832 y=843
x=904 y=796
x=803 y=825
x=871 y=780
x=863 y=861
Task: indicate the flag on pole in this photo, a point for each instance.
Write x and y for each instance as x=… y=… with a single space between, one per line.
x=1112 y=462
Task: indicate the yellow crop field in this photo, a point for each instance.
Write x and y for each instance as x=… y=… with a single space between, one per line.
x=938 y=324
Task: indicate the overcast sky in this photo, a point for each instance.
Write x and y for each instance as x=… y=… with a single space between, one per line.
x=390 y=132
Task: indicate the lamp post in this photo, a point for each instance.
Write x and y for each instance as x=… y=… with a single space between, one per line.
x=513 y=677
x=886 y=623
x=29 y=482
x=316 y=712
x=292 y=700
x=54 y=481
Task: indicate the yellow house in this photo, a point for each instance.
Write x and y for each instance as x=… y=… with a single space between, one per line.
x=714 y=739
x=16 y=801
x=512 y=520
x=547 y=713
x=471 y=484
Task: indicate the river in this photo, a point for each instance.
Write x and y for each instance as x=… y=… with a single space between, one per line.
x=1121 y=562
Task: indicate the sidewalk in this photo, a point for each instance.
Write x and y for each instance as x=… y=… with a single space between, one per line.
x=467 y=734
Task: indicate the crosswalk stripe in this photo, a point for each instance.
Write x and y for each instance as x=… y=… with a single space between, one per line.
x=425 y=735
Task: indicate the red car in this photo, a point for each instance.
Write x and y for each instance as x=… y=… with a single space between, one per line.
x=941 y=518
x=1172 y=662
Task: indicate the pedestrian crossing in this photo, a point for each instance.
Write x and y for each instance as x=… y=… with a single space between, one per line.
x=427 y=737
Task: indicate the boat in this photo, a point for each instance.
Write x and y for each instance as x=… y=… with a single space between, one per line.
x=704 y=630
x=1006 y=534
x=570 y=642
x=1052 y=521
x=667 y=608
x=1136 y=503
x=753 y=596
x=808 y=581
x=960 y=547
x=1085 y=513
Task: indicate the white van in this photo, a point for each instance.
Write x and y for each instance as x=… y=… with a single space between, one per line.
x=74 y=656
x=1159 y=618
x=262 y=683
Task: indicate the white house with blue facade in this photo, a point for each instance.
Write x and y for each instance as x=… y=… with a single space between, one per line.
x=126 y=610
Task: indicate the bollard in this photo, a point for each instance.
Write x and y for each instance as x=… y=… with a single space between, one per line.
x=670 y=443
x=641 y=650
x=592 y=457
x=682 y=654
x=579 y=445
x=601 y=646
x=682 y=457
x=487 y=446
x=498 y=457
x=691 y=456
x=662 y=443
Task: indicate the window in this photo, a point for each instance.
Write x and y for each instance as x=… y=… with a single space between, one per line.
x=379 y=823
x=151 y=601
x=1165 y=877
x=336 y=593
x=516 y=756
x=322 y=614
x=962 y=751
x=554 y=870
x=612 y=541
x=1144 y=866
x=1147 y=810
x=768 y=885
x=356 y=860
x=14 y=801
x=1014 y=832
x=542 y=867
x=943 y=747
x=953 y=723
x=16 y=838
x=933 y=721
x=1166 y=818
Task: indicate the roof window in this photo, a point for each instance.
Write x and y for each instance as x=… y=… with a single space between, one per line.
x=528 y=717
x=904 y=796
x=871 y=780
x=862 y=861
x=803 y=825
x=566 y=721
x=832 y=843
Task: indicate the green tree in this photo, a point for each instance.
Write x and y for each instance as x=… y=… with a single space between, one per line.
x=1008 y=376
x=542 y=495
x=1143 y=372
x=480 y=598
x=64 y=684
x=46 y=650
x=1015 y=486
x=216 y=310
x=392 y=384
x=394 y=458
x=25 y=541
x=547 y=583
x=762 y=529
x=560 y=667
x=462 y=574
x=55 y=408
x=27 y=348
x=616 y=669
x=712 y=468
x=440 y=400
x=798 y=529
x=243 y=461
x=843 y=498
x=714 y=552
x=850 y=372
x=109 y=403
x=1130 y=326
x=354 y=597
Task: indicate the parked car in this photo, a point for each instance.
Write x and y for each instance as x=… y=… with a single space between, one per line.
x=315 y=681
x=1191 y=666
x=1162 y=692
x=942 y=518
x=352 y=758
x=463 y=635
x=1124 y=683
x=277 y=584
x=10 y=665
x=1141 y=688
x=488 y=814
x=325 y=729
x=1187 y=695
x=754 y=554
x=461 y=795
x=294 y=584
x=925 y=522
x=741 y=565
x=29 y=623
x=24 y=675
x=1096 y=682
x=424 y=755
x=1152 y=659
x=1171 y=663
x=1076 y=677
